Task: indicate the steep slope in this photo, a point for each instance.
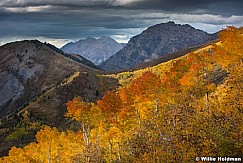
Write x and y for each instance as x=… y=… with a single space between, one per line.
x=154 y=42
x=36 y=82
x=28 y=68
x=177 y=54
x=75 y=57
x=81 y=59
x=160 y=65
x=96 y=50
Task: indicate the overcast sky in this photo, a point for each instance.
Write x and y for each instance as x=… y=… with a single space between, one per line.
x=62 y=21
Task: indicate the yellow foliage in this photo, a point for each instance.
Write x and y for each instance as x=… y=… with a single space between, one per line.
x=172 y=112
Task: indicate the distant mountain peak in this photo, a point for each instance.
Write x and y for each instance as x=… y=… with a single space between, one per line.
x=171 y=22
x=155 y=42
x=106 y=38
x=96 y=50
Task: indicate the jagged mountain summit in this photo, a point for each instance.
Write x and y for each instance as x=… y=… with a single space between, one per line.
x=155 y=42
x=96 y=50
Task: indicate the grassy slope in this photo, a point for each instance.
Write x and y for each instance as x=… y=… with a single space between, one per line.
x=161 y=65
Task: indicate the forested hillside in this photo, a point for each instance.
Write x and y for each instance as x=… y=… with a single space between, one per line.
x=174 y=112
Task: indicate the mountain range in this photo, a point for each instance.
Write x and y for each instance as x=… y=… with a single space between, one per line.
x=29 y=68
x=155 y=42
x=39 y=79
x=60 y=108
x=95 y=50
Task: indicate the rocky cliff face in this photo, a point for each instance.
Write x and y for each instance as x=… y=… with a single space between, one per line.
x=95 y=50
x=27 y=69
x=154 y=42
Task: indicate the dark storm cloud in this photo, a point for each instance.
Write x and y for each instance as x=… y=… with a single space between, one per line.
x=222 y=7
x=75 y=19
x=58 y=25
x=70 y=3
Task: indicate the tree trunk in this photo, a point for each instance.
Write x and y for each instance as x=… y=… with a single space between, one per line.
x=119 y=155
x=111 y=150
x=139 y=123
x=207 y=102
x=156 y=105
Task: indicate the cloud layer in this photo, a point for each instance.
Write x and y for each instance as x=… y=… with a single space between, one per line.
x=59 y=21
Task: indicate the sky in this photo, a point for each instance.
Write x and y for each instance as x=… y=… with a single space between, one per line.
x=61 y=21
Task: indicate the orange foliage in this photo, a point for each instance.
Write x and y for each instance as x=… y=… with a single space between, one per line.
x=175 y=116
